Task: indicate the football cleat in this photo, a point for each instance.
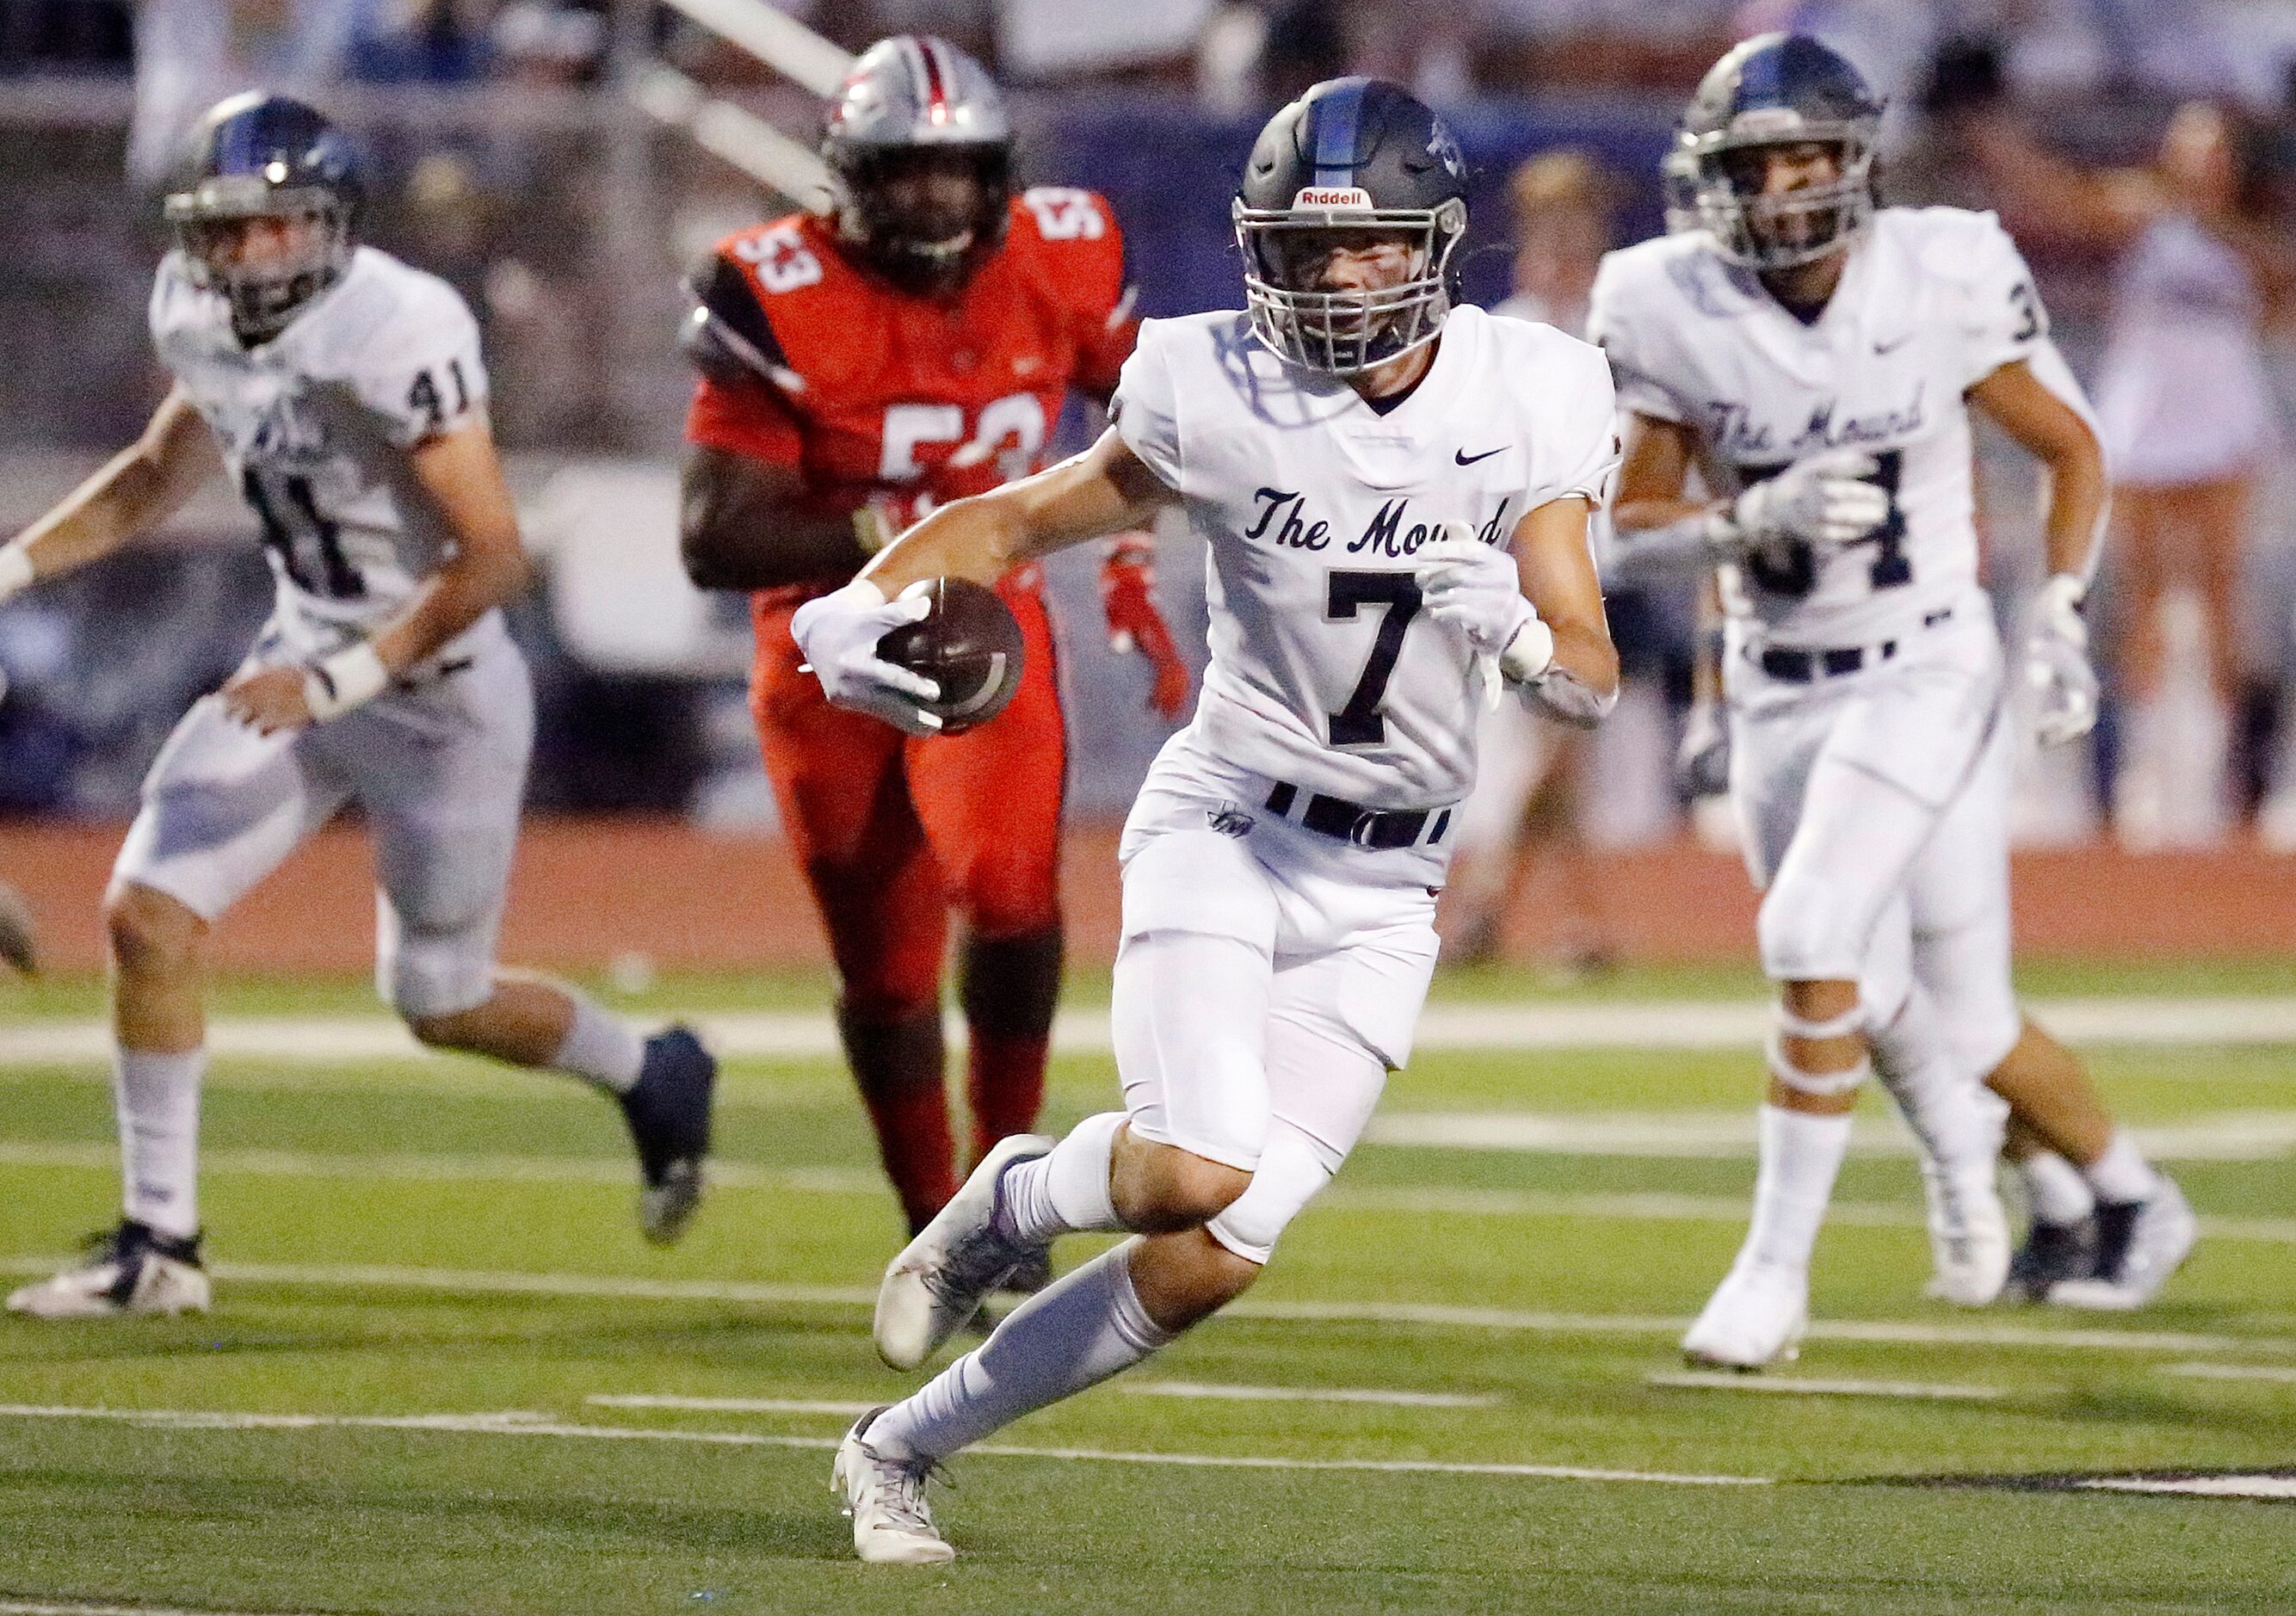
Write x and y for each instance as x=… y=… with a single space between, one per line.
x=132 y=1269
x=1754 y=1319
x=2053 y=1251
x=667 y=1109
x=1970 y=1244
x=2139 y=1244
x=941 y=1277
x=892 y=1524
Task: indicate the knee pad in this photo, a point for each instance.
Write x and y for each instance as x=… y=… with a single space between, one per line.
x=1817 y=1084
x=1813 y=931
x=1292 y=1170
x=436 y=973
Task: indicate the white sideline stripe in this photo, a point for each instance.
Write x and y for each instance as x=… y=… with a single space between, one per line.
x=1434 y=1315
x=2209 y=1486
x=1715 y=1134
x=1218 y=1392
x=520 y=1424
x=2282 y=1373
x=730 y=1405
x=1723 y=1379
x=1675 y=1025
x=17 y=1607
x=1639 y=1206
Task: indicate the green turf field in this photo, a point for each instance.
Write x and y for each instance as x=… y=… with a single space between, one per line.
x=434 y=1314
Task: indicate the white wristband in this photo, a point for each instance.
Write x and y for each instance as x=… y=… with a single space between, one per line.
x=16 y=573
x=1529 y=653
x=350 y=678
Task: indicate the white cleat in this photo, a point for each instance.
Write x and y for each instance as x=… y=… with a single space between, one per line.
x=892 y=1525
x=938 y=1283
x=2139 y=1245
x=1970 y=1242
x=130 y=1270
x=1754 y=1319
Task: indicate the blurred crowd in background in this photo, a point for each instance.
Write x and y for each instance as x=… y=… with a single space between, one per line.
x=2142 y=152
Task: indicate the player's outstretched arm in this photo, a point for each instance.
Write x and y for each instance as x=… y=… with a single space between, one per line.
x=138 y=488
x=2044 y=420
x=461 y=475
x=1105 y=490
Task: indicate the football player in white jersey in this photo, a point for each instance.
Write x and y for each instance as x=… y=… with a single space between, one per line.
x=1818 y=358
x=343 y=392
x=1380 y=479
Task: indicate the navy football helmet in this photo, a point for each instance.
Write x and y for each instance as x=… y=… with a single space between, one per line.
x=263 y=156
x=1774 y=90
x=1350 y=155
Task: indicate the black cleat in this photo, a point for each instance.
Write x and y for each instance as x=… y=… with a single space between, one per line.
x=2053 y=1251
x=667 y=1109
x=1033 y=1273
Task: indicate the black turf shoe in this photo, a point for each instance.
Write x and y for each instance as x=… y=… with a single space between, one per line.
x=2053 y=1251
x=667 y=1109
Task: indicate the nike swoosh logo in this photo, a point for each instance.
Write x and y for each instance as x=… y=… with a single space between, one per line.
x=1891 y=347
x=1463 y=458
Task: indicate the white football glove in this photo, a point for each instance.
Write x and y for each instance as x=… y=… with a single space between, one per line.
x=1701 y=761
x=839 y=634
x=2057 y=664
x=1473 y=587
x=1823 y=500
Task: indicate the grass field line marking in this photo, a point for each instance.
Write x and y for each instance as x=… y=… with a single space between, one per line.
x=1724 y=1380
x=1675 y=1024
x=2207 y=1487
x=731 y=1404
x=526 y=1425
x=2279 y=1373
x=1636 y=1206
x=1218 y=1391
x=1433 y=1315
x=18 y=1607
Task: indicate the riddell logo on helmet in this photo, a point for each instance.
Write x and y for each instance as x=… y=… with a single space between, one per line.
x=1332 y=196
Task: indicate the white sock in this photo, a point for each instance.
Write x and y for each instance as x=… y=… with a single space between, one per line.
x=599 y=1048
x=2055 y=1190
x=1075 y=1333
x=1800 y=1154
x=1065 y=1191
x=1956 y=1118
x=157 y=1097
x=2121 y=1174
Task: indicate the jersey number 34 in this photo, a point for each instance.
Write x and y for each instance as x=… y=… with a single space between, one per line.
x=1791 y=569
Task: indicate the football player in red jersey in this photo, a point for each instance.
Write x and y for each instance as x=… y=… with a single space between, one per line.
x=857 y=369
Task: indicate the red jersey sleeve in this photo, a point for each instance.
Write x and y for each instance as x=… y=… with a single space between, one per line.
x=739 y=405
x=1083 y=250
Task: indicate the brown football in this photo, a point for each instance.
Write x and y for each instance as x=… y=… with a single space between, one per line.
x=969 y=643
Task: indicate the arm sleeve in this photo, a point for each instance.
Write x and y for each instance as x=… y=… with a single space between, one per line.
x=739 y=405
x=1585 y=448
x=1611 y=327
x=422 y=372
x=1146 y=409
x=2002 y=319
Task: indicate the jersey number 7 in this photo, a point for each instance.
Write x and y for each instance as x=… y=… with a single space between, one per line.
x=1791 y=569
x=1360 y=723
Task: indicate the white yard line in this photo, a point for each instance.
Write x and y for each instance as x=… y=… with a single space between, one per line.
x=18 y=1607
x=1723 y=1379
x=731 y=1404
x=1664 y=1024
x=2206 y=1486
x=2282 y=1373
x=1428 y=1315
x=1214 y=1391
x=528 y=1426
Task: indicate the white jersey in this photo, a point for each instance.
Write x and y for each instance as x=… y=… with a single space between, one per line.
x=316 y=425
x=2182 y=392
x=1324 y=673
x=1931 y=302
